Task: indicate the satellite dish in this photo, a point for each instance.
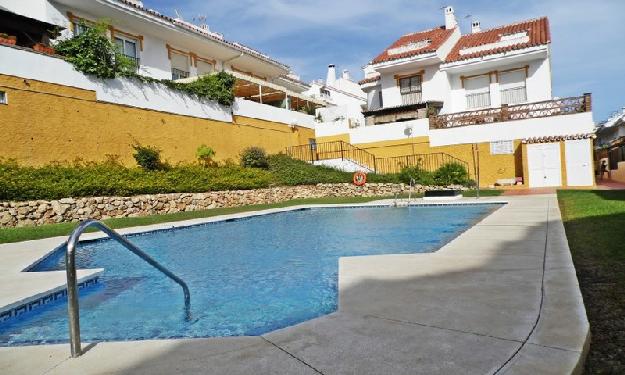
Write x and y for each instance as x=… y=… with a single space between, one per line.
x=408 y=131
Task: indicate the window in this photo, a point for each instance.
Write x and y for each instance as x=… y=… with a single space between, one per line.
x=477 y=91
x=179 y=65
x=502 y=148
x=128 y=48
x=203 y=67
x=80 y=27
x=325 y=93
x=3 y=98
x=380 y=102
x=512 y=87
x=410 y=89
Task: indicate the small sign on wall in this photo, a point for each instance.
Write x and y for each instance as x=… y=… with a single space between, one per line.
x=502 y=148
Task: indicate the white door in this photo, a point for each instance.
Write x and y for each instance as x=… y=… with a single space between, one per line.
x=544 y=164
x=579 y=165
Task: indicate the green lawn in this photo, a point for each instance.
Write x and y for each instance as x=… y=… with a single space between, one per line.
x=595 y=227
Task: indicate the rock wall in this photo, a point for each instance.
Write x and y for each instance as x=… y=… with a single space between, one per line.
x=28 y=213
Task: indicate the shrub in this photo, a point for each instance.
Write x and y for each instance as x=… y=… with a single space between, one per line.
x=254 y=157
x=205 y=156
x=451 y=174
x=289 y=171
x=219 y=87
x=420 y=175
x=92 y=52
x=148 y=157
x=107 y=179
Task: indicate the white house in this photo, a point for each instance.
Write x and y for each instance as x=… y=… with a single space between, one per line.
x=440 y=91
x=172 y=48
x=345 y=98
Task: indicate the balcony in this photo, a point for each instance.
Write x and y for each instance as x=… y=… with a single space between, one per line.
x=404 y=112
x=556 y=107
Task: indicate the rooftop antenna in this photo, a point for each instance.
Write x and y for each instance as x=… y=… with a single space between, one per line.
x=178 y=14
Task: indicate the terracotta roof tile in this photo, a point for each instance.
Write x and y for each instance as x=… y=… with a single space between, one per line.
x=369 y=80
x=558 y=138
x=436 y=38
x=537 y=32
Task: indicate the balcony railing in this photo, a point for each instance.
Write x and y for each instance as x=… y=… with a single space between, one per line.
x=557 y=107
x=411 y=98
x=514 y=95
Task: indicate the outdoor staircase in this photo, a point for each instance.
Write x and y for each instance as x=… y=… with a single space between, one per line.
x=316 y=153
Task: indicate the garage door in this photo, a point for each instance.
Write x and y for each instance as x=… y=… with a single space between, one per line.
x=544 y=164
x=579 y=165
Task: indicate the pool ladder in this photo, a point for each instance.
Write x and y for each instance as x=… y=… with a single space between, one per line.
x=398 y=203
x=72 y=288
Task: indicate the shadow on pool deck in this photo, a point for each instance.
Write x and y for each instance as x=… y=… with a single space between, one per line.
x=472 y=307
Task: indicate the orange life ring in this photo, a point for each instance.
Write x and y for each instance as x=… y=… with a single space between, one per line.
x=360 y=178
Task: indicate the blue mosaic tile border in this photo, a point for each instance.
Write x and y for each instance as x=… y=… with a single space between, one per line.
x=31 y=305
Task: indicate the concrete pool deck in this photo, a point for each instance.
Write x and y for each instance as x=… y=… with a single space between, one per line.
x=502 y=298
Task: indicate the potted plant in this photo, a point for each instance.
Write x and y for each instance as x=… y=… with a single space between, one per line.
x=7 y=39
x=40 y=47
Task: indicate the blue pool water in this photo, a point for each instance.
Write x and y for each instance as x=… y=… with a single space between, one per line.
x=246 y=277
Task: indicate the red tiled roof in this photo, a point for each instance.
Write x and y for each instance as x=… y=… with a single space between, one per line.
x=537 y=30
x=436 y=37
x=558 y=138
x=369 y=80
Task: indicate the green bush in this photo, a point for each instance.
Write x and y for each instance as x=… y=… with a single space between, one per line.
x=109 y=179
x=451 y=174
x=92 y=52
x=254 y=157
x=420 y=176
x=148 y=157
x=289 y=171
x=205 y=156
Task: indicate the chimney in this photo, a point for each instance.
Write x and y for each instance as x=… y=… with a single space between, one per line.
x=450 y=18
x=346 y=75
x=331 y=77
x=475 y=27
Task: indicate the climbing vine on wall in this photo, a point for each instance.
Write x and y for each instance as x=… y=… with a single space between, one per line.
x=93 y=53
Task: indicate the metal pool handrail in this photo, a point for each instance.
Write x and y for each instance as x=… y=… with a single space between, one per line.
x=70 y=269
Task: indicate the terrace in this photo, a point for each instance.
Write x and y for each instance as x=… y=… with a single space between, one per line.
x=547 y=108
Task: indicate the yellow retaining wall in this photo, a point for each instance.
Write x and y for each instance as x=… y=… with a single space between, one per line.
x=332 y=138
x=492 y=167
x=45 y=123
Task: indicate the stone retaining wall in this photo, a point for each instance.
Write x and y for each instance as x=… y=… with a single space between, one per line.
x=15 y=214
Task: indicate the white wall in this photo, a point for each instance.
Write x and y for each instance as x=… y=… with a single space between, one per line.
x=387 y=132
x=26 y=64
x=160 y=98
x=580 y=123
x=434 y=87
x=248 y=108
x=329 y=128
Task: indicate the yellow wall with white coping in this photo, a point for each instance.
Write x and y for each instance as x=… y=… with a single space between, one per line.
x=45 y=122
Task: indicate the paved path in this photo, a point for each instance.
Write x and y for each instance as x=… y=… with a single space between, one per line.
x=502 y=298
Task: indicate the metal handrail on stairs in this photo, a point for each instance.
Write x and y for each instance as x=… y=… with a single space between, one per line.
x=72 y=287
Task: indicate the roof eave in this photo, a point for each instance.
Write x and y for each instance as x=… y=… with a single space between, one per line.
x=404 y=60
x=169 y=22
x=476 y=60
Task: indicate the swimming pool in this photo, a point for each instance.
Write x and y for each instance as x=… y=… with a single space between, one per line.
x=247 y=277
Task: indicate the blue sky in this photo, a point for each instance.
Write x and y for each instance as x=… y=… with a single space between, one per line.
x=588 y=38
